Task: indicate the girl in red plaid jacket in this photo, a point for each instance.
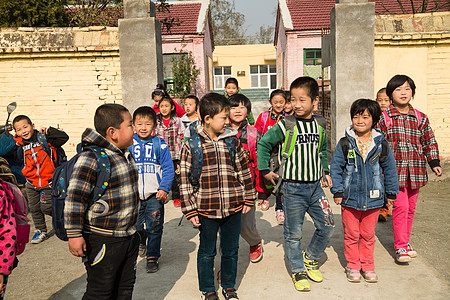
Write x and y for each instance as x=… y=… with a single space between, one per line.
x=413 y=143
x=170 y=128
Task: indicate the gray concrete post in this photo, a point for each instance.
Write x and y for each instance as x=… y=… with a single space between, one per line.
x=140 y=53
x=351 y=52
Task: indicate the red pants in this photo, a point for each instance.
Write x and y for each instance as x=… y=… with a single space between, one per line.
x=403 y=212
x=359 y=226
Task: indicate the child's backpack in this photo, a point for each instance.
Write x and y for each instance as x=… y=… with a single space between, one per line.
x=193 y=128
x=61 y=156
x=5 y=172
x=195 y=144
x=60 y=181
x=19 y=205
x=388 y=119
x=277 y=166
x=350 y=153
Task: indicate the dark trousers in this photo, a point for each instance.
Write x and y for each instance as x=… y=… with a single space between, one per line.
x=40 y=204
x=176 y=180
x=151 y=213
x=111 y=274
x=229 y=228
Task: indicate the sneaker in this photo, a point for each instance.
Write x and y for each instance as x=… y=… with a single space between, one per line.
x=280 y=216
x=312 y=268
x=382 y=217
x=209 y=296
x=152 y=265
x=38 y=237
x=256 y=253
x=370 y=276
x=411 y=251
x=265 y=205
x=176 y=202
x=142 y=250
x=402 y=255
x=353 y=275
x=230 y=294
x=301 y=282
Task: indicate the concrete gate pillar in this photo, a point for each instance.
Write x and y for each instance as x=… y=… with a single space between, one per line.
x=140 y=53
x=349 y=50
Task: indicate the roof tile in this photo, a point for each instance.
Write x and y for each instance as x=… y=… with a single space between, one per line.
x=187 y=13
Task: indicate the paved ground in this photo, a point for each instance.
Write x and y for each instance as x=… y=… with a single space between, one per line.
x=48 y=271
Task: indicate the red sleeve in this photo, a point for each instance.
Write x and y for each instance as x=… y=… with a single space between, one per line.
x=258 y=124
x=156 y=108
x=179 y=110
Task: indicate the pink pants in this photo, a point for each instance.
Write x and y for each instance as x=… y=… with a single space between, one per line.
x=403 y=215
x=359 y=226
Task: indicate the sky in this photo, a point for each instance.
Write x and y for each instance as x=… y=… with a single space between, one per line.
x=257 y=13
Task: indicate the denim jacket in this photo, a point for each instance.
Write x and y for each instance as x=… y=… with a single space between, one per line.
x=361 y=183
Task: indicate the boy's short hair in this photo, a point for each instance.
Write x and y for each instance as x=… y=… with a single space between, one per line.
x=108 y=115
x=195 y=99
x=360 y=106
x=382 y=90
x=277 y=92
x=212 y=104
x=308 y=83
x=145 y=111
x=233 y=81
x=21 y=118
x=397 y=81
x=237 y=99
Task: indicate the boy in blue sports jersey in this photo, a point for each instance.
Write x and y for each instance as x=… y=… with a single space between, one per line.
x=156 y=173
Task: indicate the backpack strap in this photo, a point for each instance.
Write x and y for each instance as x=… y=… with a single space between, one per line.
x=195 y=144
x=288 y=146
x=384 y=150
x=157 y=147
x=252 y=136
x=321 y=135
x=345 y=146
x=42 y=139
x=264 y=117
x=418 y=115
x=103 y=171
x=387 y=120
x=231 y=145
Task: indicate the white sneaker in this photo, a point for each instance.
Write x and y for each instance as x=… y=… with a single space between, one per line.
x=411 y=251
x=38 y=237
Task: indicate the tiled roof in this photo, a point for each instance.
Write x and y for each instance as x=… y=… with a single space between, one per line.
x=187 y=13
x=315 y=14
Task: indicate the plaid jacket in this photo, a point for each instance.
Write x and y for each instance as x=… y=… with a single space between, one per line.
x=412 y=144
x=115 y=213
x=172 y=135
x=222 y=191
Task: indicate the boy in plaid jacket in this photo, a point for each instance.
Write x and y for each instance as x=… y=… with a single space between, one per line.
x=224 y=193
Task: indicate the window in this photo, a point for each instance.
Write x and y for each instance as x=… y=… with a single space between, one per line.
x=221 y=74
x=263 y=76
x=312 y=57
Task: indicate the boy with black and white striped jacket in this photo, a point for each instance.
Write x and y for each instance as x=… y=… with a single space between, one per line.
x=301 y=187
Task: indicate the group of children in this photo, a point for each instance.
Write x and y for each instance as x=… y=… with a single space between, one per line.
x=215 y=161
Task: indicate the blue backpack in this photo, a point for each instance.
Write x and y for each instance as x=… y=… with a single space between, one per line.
x=61 y=156
x=195 y=144
x=60 y=183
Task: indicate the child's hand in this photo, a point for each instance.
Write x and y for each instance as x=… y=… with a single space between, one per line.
x=77 y=246
x=195 y=221
x=162 y=196
x=1 y=281
x=270 y=176
x=437 y=171
x=246 y=209
x=338 y=200
x=326 y=181
x=390 y=202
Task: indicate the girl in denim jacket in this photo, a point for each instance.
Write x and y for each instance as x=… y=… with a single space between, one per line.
x=359 y=186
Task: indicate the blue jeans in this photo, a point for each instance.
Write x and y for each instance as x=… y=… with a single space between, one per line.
x=151 y=212
x=230 y=228
x=300 y=198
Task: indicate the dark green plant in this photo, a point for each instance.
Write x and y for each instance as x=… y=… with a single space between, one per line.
x=184 y=73
x=33 y=13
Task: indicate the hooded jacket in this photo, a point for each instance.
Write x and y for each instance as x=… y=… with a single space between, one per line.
x=155 y=173
x=115 y=213
x=361 y=183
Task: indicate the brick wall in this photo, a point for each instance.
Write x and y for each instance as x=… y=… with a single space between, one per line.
x=59 y=76
x=418 y=46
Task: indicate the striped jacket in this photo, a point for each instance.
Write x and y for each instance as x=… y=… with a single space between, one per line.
x=223 y=190
x=115 y=213
x=412 y=144
x=172 y=135
x=306 y=161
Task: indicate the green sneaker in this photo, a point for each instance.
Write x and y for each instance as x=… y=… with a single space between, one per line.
x=312 y=269
x=301 y=282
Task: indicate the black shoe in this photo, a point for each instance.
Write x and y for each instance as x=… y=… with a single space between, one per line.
x=142 y=250
x=209 y=296
x=230 y=294
x=152 y=265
